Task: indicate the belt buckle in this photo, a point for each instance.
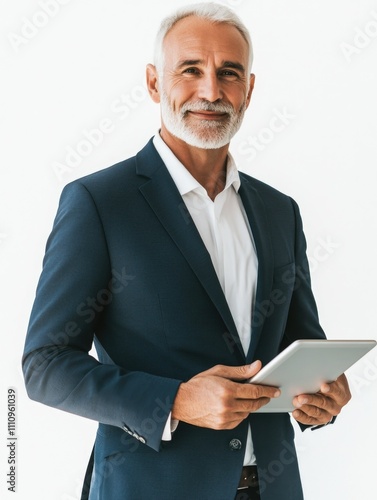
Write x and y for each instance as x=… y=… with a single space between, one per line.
x=249 y=478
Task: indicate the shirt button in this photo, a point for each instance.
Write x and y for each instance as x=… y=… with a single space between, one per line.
x=235 y=444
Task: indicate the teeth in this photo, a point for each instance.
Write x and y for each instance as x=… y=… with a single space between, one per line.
x=199 y=106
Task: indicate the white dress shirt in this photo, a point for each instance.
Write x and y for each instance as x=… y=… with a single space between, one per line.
x=225 y=231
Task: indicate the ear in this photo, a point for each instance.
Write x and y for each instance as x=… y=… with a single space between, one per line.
x=152 y=83
x=251 y=88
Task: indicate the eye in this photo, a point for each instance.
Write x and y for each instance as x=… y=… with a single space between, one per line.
x=228 y=73
x=192 y=71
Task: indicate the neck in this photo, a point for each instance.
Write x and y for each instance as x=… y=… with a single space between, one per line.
x=207 y=166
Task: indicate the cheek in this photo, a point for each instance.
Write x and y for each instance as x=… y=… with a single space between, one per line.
x=242 y=101
x=179 y=92
x=237 y=95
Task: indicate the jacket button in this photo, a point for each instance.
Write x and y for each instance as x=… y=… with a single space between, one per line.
x=235 y=444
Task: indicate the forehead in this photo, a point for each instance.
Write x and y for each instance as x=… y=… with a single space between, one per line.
x=197 y=38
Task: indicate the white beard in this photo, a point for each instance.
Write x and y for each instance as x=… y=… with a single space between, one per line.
x=205 y=134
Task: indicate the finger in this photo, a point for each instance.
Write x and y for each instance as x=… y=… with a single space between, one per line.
x=260 y=402
x=319 y=401
x=332 y=389
x=321 y=418
x=228 y=420
x=314 y=402
x=249 y=405
x=338 y=390
x=316 y=412
x=256 y=391
x=325 y=389
x=236 y=373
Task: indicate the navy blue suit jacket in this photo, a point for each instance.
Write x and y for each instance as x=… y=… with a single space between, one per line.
x=125 y=267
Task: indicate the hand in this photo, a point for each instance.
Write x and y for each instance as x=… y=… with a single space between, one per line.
x=320 y=408
x=218 y=399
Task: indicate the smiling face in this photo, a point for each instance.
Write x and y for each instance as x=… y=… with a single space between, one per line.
x=204 y=89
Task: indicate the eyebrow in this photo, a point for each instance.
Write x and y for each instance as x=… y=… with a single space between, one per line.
x=225 y=64
x=234 y=65
x=189 y=62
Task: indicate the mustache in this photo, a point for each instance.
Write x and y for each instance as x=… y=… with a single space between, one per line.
x=219 y=107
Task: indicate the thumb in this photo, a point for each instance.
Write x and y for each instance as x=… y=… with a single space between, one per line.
x=243 y=372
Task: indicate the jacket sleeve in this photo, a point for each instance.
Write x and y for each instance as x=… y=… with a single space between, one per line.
x=58 y=369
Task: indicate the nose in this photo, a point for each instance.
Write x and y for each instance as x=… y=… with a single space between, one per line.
x=210 y=87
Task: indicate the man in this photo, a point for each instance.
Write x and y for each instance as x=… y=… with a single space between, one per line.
x=188 y=276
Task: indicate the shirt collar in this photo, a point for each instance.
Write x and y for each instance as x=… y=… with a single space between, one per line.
x=182 y=178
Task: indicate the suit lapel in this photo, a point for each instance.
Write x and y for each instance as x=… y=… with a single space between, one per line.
x=255 y=211
x=162 y=195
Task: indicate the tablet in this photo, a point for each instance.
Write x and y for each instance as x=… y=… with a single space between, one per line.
x=303 y=366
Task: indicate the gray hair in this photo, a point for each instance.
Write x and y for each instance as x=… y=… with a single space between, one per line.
x=211 y=11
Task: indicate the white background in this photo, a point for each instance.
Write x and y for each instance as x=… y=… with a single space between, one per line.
x=73 y=71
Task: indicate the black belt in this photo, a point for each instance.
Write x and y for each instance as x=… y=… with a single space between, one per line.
x=249 y=477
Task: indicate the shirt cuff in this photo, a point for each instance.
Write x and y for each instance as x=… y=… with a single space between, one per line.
x=170 y=427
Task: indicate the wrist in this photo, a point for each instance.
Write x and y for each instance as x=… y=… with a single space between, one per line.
x=179 y=398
